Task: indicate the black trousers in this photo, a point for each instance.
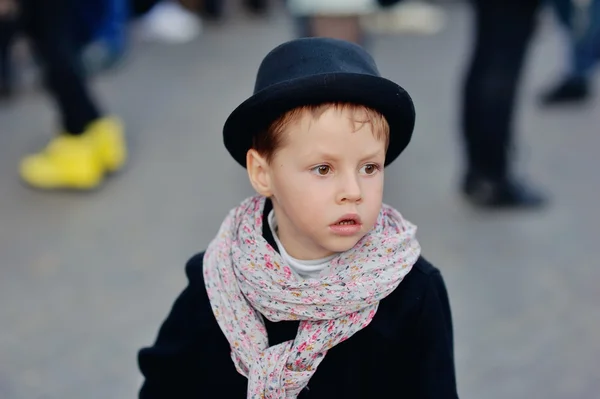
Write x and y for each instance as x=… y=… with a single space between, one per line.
x=503 y=30
x=51 y=27
x=8 y=29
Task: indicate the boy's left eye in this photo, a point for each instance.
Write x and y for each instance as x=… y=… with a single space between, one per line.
x=369 y=169
x=321 y=170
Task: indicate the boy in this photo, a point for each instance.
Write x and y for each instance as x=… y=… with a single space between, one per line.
x=313 y=288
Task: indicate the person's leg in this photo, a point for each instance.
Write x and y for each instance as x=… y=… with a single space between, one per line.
x=257 y=6
x=140 y=7
x=344 y=27
x=302 y=26
x=108 y=42
x=7 y=35
x=503 y=30
x=584 y=34
x=48 y=26
x=8 y=29
x=563 y=10
x=314 y=19
x=88 y=145
x=582 y=22
x=595 y=36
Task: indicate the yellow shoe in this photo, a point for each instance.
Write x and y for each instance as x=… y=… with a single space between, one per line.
x=67 y=162
x=108 y=140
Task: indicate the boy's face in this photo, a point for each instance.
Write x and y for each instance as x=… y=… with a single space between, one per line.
x=329 y=168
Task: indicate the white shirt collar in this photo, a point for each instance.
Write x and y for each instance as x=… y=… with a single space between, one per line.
x=303 y=268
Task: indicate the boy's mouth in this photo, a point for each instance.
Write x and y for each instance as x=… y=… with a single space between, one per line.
x=348 y=225
x=349 y=219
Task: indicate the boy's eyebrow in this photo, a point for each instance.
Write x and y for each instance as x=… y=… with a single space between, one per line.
x=373 y=155
x=334 y=157
x=324 y=155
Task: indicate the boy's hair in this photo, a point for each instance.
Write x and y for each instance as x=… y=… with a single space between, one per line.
x=269 y=140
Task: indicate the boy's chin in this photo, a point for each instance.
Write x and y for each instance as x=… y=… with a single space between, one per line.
x=343 y=244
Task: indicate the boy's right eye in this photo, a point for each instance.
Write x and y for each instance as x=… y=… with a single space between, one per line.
x=321 y=170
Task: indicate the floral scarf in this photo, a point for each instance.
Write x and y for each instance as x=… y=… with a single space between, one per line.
x=246 y=279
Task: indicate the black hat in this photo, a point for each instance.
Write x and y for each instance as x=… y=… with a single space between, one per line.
x=315 y=71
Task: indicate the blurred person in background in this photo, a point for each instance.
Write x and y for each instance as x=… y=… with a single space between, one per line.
x=88 y=144
x=503 y=31
x=354 y=20
x=581 y=20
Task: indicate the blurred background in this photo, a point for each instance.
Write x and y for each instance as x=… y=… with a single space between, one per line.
x=86 y=278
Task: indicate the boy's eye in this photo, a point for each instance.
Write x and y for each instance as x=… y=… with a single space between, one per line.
x=369 y=169
x=322 y=170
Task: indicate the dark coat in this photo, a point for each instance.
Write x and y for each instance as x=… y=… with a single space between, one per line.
x=406 y=352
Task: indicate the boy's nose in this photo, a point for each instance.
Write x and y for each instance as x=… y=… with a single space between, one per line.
x=350 y=190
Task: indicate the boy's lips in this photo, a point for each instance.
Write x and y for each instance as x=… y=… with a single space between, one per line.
x=348 y=225
x=349 y=218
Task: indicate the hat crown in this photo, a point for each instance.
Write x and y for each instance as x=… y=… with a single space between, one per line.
x=312 y=56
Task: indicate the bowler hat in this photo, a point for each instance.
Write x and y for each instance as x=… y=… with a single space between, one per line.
x=312 y=71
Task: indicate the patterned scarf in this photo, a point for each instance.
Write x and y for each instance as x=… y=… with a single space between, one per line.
x=246 y=278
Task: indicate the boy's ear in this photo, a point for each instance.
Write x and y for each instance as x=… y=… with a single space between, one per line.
x=258 y=173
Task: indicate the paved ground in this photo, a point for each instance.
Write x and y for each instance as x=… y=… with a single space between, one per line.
x=86 y=279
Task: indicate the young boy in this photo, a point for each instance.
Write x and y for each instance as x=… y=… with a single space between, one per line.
x=313 y=288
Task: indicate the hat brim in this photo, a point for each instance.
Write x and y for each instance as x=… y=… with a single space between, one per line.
x=259 y=111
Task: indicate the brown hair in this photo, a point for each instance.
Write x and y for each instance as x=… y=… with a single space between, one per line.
x=268 y=141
